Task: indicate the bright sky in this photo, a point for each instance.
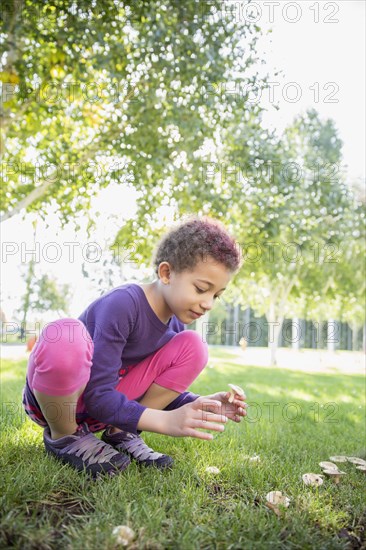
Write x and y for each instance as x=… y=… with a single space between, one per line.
x=321 y=61
x=331 y=54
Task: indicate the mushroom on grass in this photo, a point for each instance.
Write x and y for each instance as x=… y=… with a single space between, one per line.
x=123 y=534
x=356 y=460
x=212 y=470
x=338 y=458
x=275 y=499
x=255 y=458
x=328 y=465
x=335 y=475
x=313 y=479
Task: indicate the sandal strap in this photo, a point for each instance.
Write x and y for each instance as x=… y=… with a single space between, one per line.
x=132 y=444
x=90 y=449
x=138 y=448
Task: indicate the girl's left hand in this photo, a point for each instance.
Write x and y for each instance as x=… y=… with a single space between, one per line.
x=235 y=410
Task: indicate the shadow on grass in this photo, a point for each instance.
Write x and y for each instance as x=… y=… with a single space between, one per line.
x=283 y=382
x=308 y=411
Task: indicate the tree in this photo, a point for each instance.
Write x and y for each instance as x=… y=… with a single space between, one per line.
x=26 y=301
x=289 y=207
x=43 y=294
x=292 y=221
x=48 y=295
x=95 y=92
x=343 y=297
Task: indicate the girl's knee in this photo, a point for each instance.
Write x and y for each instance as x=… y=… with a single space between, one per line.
x=192 y=342
x=64 y=345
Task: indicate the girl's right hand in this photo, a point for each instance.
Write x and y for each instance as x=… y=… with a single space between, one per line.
x=186 y=421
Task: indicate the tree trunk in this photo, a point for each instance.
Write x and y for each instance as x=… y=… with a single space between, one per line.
x=236 y=325
x=28 y=289
x=246 y=331
x=354 y=328
x=314 y=334
x=26 y=303
x=39 y=191
x=275 y=341
x=276 y=314
x=296 y=333
x=331 y=335
x=274 y=330
x=227 y=324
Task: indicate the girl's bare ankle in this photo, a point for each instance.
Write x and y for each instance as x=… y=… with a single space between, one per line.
x=113 y=430
x=59 y=435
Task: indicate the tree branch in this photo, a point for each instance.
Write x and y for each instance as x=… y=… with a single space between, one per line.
x=37 y=192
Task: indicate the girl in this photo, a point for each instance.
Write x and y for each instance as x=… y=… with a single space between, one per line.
x=125 y=364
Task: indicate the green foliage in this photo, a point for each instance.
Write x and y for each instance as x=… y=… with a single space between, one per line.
x=112 y=91
x=49 y=295
x=43 y=293
x=135 y=93
x=302 y=232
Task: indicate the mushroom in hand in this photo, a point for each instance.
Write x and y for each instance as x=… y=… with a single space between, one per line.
x=235 y=390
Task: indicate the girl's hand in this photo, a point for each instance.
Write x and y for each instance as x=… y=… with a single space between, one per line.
x=235 y=410
x=203 y=413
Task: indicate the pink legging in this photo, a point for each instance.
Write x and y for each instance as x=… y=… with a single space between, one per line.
x=61 y=360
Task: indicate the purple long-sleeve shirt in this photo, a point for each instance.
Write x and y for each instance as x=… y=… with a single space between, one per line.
x=125 y=330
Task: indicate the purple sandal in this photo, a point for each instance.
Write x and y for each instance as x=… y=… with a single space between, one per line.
x=136 y=448
x=85 y=452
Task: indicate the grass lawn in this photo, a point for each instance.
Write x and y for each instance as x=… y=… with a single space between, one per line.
x=295 y=421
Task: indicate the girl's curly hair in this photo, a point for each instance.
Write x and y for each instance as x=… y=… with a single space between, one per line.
x=194 y=240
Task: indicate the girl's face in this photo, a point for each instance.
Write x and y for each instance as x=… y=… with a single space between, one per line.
x=190 y=294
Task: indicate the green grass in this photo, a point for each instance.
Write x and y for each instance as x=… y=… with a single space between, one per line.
x=46 y=505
